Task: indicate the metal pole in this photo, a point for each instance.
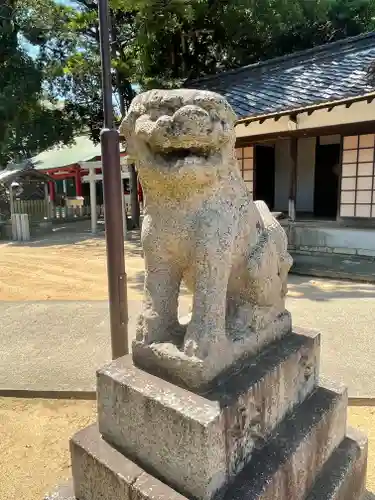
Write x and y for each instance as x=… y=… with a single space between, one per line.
x=118 y=308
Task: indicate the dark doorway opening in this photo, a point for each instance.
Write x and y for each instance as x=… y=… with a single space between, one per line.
x=264 y=175
x=326 y=186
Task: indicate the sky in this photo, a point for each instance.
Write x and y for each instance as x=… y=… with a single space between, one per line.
x=31 y=49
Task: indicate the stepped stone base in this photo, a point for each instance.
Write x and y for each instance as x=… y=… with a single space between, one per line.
x=265 y=430
x=206 y=440
x=342 y=478
x=288 y=464
x=100 y=471
x=344 y=475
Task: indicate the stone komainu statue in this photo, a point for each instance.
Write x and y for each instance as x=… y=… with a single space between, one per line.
x=201 y=227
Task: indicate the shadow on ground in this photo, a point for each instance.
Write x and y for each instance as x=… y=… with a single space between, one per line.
x=369 y=496
x=299 y=287
x=79 y=233
x=136 y=281
x=63 y=234
x=321 y=290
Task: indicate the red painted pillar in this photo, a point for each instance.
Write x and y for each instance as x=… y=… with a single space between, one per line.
x=52 y=191
x=78 y=183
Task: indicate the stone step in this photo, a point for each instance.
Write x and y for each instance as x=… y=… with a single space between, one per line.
x=101 y=472
x=197 y=443
x=64 y=492
x=344 y=475
x=289 y=463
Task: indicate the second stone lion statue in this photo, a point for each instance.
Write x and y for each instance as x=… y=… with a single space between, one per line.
x=201 y=227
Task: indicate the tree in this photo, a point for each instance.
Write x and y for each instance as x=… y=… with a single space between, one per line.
x=27 y=124
x=163 y=43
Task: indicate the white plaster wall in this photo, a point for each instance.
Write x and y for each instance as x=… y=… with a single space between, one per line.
x=357 y=113
x=283 y=163
x=305 y=174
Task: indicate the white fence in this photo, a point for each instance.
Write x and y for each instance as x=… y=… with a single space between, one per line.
x=74 y=212
x=35 y=209
x=39 y=210
x=20 y=227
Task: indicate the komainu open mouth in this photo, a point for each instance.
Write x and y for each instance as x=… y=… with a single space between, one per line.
x=176 y=153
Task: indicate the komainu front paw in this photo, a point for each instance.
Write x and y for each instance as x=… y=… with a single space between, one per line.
x=191 y=348
x=202 y=341
x=194 y=342
x=153 y=328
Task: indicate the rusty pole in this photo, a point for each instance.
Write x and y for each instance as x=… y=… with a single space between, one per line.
x=114 y=232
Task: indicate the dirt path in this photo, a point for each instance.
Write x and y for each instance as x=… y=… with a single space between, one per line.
x=34 y=444
x=34 y=434
x=63 y=270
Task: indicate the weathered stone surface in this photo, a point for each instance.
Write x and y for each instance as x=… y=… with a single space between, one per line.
x=169 y=362
x=64 y=492
x=257 y=397
x=174 y=433
x=148 y=487
x=196 y=443
x=344 y=475
x=202 y=227
x=287 y=466
x=101 y=472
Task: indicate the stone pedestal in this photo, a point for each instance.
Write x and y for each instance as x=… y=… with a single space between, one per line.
x=265 y=430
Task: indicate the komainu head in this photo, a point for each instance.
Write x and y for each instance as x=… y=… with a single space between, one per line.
x=176 y=130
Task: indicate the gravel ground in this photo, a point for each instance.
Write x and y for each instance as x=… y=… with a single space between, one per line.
x=72 y=267
x=34 y=452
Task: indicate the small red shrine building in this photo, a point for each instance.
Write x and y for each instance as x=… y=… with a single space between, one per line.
x=62 y=163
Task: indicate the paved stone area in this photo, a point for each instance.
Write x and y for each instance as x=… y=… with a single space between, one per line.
x=57 y=346
x=344 y=313
x=52 y=345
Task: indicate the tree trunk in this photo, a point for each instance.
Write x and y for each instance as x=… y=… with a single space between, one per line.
x=134 y=201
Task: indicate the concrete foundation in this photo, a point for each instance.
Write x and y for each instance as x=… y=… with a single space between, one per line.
x=330 y=238
x=264 y=430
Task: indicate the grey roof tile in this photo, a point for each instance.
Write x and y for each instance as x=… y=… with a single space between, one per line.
x=330 y=72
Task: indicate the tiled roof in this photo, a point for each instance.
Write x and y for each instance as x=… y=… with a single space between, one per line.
x=327 y=73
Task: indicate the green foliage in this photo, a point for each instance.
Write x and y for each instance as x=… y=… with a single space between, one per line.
x=27 y=125
x=162 y=43
x=155 y=43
